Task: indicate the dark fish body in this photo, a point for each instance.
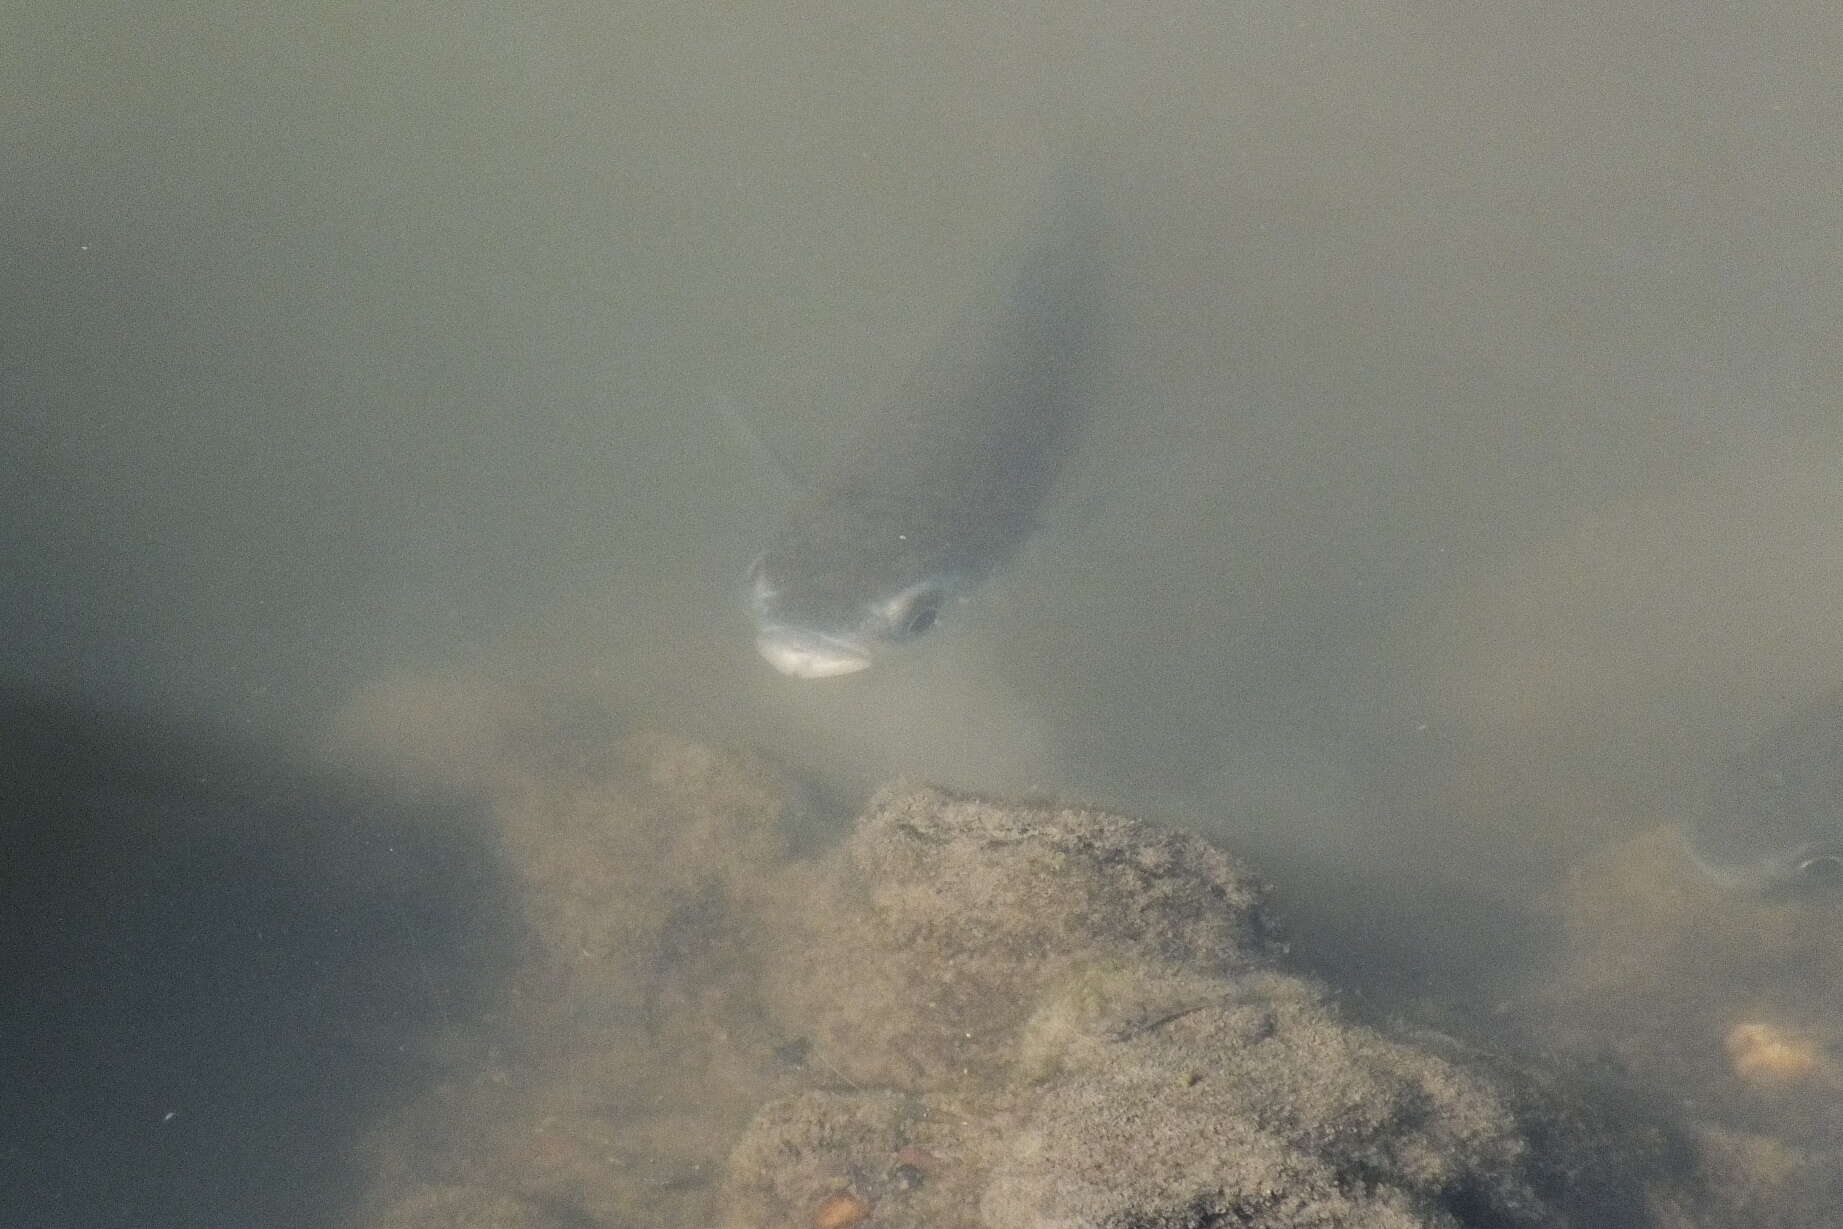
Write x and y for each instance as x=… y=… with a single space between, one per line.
x=939 y=488
x=1773 y=819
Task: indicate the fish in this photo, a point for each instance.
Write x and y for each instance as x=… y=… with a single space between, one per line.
x=940 y=488
x=1772 y=819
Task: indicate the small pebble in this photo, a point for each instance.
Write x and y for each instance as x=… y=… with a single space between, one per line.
x=1764 y=1054
x=839 y=1210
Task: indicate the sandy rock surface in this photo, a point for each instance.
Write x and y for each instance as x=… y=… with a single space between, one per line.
x=965 y=1013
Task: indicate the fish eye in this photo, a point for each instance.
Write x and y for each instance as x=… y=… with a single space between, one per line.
x=920 y=617
x=904 y=616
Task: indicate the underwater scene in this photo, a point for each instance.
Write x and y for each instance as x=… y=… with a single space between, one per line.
x=929 y=617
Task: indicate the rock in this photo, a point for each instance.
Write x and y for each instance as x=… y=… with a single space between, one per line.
x=926 y=942
x=1087 y=1015
x=966 y=1015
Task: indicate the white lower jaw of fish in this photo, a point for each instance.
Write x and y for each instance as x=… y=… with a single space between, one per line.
x=806 y=654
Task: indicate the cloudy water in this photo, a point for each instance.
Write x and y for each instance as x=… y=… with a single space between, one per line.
x=1450 y=522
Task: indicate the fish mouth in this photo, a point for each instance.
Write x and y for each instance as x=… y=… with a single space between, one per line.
x=804 y=654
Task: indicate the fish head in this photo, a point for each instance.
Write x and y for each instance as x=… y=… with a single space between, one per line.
x=827 y=604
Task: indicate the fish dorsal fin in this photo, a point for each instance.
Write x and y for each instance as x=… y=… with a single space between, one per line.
x=767 y=457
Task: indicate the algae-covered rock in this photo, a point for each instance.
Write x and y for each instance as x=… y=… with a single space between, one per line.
x=911 y=1161
x=967 y=1014
x=1084 y=1015
x=1269 y=1110
x=926 y=942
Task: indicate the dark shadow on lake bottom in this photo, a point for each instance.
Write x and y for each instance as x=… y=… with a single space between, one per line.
x=219 y=965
